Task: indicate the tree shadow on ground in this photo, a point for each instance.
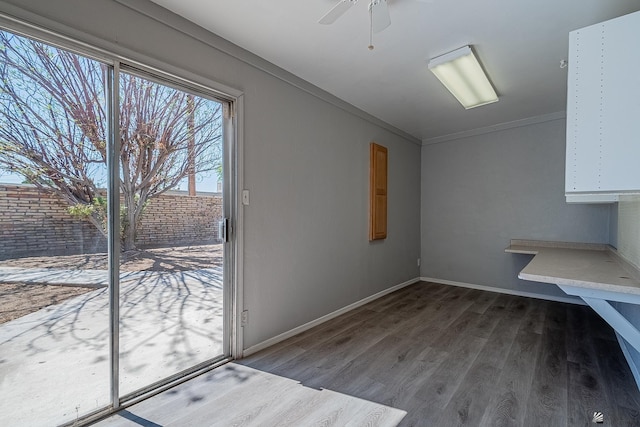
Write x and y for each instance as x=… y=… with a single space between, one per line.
x=176 y=258
x=169 y=322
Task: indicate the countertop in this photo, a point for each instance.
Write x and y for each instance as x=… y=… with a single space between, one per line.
x=589 y=266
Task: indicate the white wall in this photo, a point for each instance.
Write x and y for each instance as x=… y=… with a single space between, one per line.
x=306 y=251
x=629 y=248
x=478 y=192
x=629 y=229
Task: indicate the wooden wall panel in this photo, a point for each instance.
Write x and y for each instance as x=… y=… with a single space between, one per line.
x=378 y=161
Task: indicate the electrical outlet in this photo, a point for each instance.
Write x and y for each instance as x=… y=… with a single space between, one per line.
x=418 y=262
x=244 y=317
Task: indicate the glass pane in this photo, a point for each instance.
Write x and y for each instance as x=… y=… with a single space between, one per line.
x=171 y=294
x=54 y=312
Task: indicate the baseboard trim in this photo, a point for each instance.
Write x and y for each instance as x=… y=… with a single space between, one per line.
x=295 y=331
x=568 y=300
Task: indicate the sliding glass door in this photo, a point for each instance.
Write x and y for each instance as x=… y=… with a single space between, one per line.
x=171 y=268
x=54 y=335
x=114 y=231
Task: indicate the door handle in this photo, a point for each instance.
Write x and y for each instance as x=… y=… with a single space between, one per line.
x=223 y=229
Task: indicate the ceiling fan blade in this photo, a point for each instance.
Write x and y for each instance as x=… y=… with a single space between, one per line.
x=380 y=18
x=337 y=11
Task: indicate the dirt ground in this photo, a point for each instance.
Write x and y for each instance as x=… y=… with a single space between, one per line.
x=19 y=299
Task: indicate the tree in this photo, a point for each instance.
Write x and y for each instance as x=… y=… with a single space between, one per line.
x=54 y=127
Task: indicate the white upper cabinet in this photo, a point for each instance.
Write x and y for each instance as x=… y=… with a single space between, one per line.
x=603 y=111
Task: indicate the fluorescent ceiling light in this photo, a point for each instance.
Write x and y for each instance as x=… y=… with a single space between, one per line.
x=462 y=74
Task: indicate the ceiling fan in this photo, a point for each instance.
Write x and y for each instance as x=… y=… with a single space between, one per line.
x=379 y=17
x=378 y=12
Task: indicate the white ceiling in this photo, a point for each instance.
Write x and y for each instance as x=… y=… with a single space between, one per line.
x=519 y=42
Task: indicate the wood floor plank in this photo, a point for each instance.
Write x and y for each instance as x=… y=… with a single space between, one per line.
x=468 y=404
x=508 y=403
x=377 y=358
x=484 y=325
x=496 y=349
x=437 y=315
x=407 y=293
x=534 y=319
x=483 y=302
x=333 y=354
x=443 y=383
x=273 y=357
x=619 y=384
x=579 y=341
x=401 y=384
x=586 y=389
x=363 y=388
x=170 y=406
x=447 y=311
x=502 y=306
x=451 y=335
x=585 y=396
x=556 y=315
x=333 y=327
x=334 y=412
x=547 y=404
x=257 y=403
x=279 y=401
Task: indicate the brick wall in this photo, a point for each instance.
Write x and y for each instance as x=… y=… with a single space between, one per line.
x=36 y=223
x=175 y=218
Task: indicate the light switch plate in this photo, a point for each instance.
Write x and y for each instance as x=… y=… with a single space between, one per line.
x=245 y=197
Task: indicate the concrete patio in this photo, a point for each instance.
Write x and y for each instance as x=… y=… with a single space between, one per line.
x=54 y=363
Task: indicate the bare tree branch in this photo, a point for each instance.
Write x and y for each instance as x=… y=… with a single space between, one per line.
x=53 y=130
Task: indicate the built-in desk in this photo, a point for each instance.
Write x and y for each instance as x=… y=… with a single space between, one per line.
x=595 y=273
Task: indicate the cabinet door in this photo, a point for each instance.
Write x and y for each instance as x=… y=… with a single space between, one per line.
x=378 y=192
x=603 y=108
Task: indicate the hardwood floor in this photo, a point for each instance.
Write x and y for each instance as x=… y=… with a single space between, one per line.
x=446 y=356
x=454 y=356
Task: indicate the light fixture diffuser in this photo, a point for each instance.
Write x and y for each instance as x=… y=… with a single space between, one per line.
x=461 y=73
